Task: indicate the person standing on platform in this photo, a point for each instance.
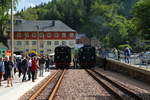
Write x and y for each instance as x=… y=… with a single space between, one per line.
x=29 y=68
x=19 y=67
x=47 y=64
x=115 y=51
x=15 y=65
x=37 y=64
x=127 y=53
x=9 y=74
x=24 y=67
x=5 y=64
x=42 y=65
x=33 y=68
x=2 y=69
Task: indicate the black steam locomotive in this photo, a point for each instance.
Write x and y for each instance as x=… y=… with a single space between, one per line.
x=87 y=56
x=62 y=57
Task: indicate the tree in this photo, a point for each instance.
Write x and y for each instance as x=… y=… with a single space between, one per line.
x=30 y=14
x=5 y=6
x=141 y=13
x=108 y=20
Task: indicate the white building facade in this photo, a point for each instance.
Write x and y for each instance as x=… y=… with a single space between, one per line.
x=42 y=36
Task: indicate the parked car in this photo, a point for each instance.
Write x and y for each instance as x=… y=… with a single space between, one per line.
x=145 y=57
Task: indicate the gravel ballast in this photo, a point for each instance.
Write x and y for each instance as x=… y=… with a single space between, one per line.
x=78 y=85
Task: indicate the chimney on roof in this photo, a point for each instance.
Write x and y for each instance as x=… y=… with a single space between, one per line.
x=53 y=23
x=18 y=21
x=38 y=27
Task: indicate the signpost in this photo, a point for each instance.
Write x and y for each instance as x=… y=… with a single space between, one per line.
x=3 y=52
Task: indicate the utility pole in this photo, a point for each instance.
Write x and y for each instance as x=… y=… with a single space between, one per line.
x=12 y=31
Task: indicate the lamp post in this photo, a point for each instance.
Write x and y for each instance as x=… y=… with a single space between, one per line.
x=12 y=31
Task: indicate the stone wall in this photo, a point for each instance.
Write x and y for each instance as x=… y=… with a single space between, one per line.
x=126 y=69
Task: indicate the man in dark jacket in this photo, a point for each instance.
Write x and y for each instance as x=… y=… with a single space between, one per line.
x=24 y=67
x=19 y=67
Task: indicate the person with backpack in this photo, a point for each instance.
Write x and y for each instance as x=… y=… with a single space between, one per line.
x=127 y=53
x=2 y=69
x=24 y=67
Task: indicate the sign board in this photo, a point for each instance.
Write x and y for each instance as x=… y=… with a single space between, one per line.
x=3 y=52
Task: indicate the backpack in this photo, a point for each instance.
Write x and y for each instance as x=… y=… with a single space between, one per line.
x=24 y=62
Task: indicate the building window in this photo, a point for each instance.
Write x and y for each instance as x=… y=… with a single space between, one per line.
x=56 y=43
x=49 y=50
x=18 y=34
x=71 y=43
x=63 y=35
x=41 y=45
x=48 y=35
x=19 y=42
x=41 y=35
x=64 y=43
x=33 y=42
x=55 y=35
x=71 y=35
x=27 y=35
x=26 y=42
x=48 y=42
x=33 y=35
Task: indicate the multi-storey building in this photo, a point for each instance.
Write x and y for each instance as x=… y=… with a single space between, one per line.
x=41 y=35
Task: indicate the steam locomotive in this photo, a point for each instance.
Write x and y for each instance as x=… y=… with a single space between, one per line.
x=87 y=56
x=62 y=57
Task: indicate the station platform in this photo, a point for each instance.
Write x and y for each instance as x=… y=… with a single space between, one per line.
x=19 y=87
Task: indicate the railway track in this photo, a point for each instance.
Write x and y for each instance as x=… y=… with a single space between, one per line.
x=118 y=91
x=48 y=90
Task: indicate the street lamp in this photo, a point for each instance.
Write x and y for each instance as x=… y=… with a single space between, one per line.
x=12 y=31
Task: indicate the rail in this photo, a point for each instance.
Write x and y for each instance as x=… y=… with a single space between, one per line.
x=105 y=82
x=44 y=86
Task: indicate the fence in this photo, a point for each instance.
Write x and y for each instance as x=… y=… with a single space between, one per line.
x=134 y=59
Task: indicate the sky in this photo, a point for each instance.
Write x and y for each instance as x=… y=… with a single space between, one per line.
x=29 y=3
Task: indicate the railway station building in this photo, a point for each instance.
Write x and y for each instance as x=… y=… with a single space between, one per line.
x=41 y=36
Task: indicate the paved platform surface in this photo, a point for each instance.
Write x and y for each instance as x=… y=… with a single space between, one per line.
x=19 y=87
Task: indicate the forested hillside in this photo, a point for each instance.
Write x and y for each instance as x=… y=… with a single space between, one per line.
x=111 y=21
x=5 y=6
